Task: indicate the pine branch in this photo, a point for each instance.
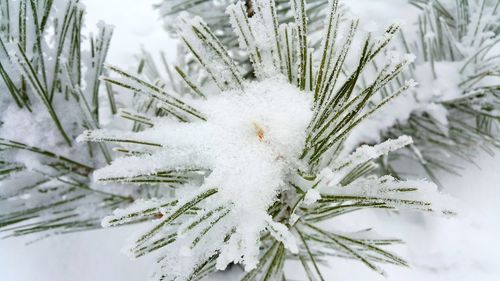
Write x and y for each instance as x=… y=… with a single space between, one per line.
x=250 y=195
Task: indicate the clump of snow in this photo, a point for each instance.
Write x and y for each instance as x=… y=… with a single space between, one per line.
x=365 y=153
x=312 y=195
x=442 y=87
x=250 y=143
x=17 y=122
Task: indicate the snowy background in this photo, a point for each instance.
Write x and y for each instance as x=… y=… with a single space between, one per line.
x=461 y=248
